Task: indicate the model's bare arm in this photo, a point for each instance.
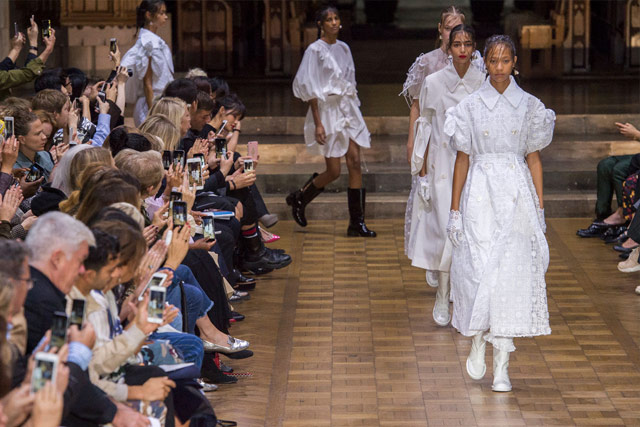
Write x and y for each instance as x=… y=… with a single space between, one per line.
x=459 y=178
x=535 y=166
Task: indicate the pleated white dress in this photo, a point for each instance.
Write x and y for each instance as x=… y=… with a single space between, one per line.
x=429 y=247
x=327 y=73
x=498 y=272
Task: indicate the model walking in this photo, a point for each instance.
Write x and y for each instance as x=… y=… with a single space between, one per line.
x=150 y=59
x=432 y=163
x=334 y=125
x=496 y=223
x=424 y=65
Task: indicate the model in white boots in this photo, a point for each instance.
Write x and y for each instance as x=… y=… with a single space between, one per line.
x=501 y=380
x=477 y=368
x=441 y=308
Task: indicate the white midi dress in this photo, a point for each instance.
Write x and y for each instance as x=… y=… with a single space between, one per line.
x=429 y=247
x=424 y=65
x=498 y=271
x=149 y=50
x=327 y=73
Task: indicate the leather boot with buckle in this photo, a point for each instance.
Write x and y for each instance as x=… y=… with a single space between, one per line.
x=356 y=198
x=299 y=199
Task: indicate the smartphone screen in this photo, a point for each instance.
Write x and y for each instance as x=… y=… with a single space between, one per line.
x=252 y=150
x=208 y=228
x=200 y=157
x=77 y=313
x=221 y=147
x=34 y=173
x=58 y=329
x=43 y=371
x=156 y=303
x=167 y=157
x=179 y=212
x=46 y=28
x=248 y=165
x=156 y=280
x=113 y=45
x=195 y=173
x=8 y=127
x=178 y=157
x=15 y=28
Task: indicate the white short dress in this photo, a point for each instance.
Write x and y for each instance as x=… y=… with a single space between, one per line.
x=327 y=73
x=429 y=246
x=148 y=49
x=498 y=271
x=424 y=65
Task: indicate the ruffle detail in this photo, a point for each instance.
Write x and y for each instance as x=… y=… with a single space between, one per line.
x=457 y=129
x=541 y=125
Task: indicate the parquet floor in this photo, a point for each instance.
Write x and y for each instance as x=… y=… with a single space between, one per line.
x=344 y=337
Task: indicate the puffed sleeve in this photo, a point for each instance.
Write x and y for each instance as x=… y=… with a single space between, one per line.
x=308 y=83
x=415 y=78
x=421 y=131
x=457 y=127
x=541 y=123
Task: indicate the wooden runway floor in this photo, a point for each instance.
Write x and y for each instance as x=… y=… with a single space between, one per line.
x=344 y=337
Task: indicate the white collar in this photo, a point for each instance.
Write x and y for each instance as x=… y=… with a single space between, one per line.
x=490 y=95
x=469 y=80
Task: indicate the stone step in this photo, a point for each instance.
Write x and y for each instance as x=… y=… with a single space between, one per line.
x=577 y=124
x=393 y=205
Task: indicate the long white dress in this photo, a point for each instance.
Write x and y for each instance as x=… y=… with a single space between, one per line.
x=148 y=49
x=327 y=73
x=498 y=270
x=424 y=65
x=429 y=247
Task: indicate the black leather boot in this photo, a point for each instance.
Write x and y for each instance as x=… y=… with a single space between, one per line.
x=301 y=198
x=357 y=227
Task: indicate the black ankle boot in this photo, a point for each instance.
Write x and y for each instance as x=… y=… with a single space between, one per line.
x=301 y=198
x=357 y=227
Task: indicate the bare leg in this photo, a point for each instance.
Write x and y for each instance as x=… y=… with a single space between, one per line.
x=353 y=165
x=330 y=174
x=209 y=332
x=615 y=218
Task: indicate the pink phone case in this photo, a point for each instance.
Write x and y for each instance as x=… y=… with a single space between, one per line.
x=252 y=150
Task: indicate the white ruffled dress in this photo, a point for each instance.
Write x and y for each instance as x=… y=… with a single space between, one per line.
x=429 y=247
x=498 y=271
x=424 y=65
x=327 y=73
x=148 y=49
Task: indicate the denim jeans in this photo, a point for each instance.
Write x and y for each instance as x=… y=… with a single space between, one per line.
x=189 y=346
x=197 y=302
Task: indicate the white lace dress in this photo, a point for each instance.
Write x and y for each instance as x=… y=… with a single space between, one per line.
x=429 y=247
x=498 y=272
x=327 y=73
x=424 y=65
x=148 y=49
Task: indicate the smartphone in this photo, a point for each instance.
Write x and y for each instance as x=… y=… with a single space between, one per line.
x=157 y=280
x=45 y=368
x=194 y=170
x=222 y=126
x=15 y=29
x=113 y=45
x=77 y=313
x=179 y=212
x=178 y=157
x=221 y=147
x=8 y=127
x=58 y=329
x=203 y=162
x=208 y=228
x=175 y=196
x=46 y=28
x=252 y=150
x=103 y=97
x=248 y=165
x=167 y=157
x=34 y=173
x=157 y=296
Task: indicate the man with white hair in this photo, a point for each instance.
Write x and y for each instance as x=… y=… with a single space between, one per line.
x=59 y=245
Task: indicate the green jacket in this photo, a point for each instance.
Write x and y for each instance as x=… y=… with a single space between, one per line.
x=19 y=76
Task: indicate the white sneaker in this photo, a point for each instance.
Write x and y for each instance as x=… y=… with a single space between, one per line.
x=441 y=308
x=476 y=368
x=630 y=264
x=501 y=382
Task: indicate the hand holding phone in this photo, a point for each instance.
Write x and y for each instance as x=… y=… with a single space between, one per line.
x=157 y=280
x=179 y=213
x=77 y=313
x=157 y=298
x=252 y=150
x=45 y=369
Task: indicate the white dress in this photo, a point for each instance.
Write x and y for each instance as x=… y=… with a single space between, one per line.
x=424 y=65
x=148 y=49
x=498 y=270
x=429 y=247
x=327 y=73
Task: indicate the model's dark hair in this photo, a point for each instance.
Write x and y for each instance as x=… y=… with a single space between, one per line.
x=151 y=6
x=105 y=250
x=447 y=12
x=500 y=40
x=232 y=105
x=184 y=89
x=50 y=79
x=202 y=83
x=22 y=121
x=205 y=102
x=464 y=29
x=322 y=14
x=78 y=80
x=219 y=87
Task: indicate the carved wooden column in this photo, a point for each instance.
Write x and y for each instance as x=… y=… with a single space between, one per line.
x=217 y=36
x=578 y=42
x=632 y=34
x=278 y=48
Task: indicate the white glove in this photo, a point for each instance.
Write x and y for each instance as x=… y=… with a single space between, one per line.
x=542 y=221
x=424 y=190
x=454 y=228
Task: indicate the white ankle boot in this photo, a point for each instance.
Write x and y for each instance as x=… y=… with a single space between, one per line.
x=441 y=308
x=432 y=278
x=501 y=380
x=476 y=368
